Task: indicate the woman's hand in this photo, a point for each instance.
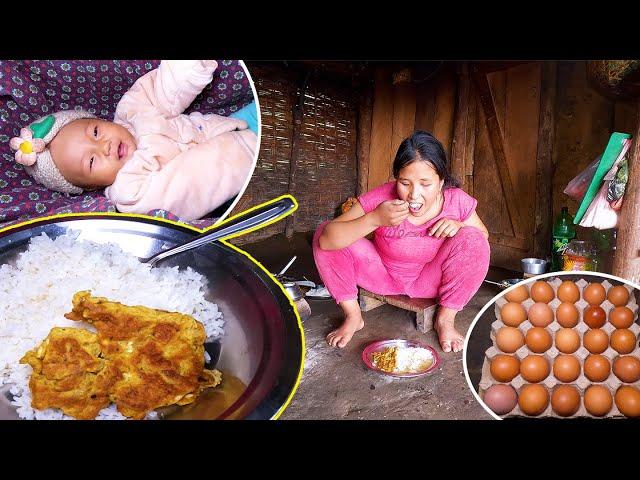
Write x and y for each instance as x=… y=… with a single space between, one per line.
x=445 y=227
x=391 y=213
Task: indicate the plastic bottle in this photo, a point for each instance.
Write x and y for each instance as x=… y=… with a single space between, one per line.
x=563 y=233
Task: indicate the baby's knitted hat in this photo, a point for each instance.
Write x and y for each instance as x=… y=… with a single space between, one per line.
x=32 y=149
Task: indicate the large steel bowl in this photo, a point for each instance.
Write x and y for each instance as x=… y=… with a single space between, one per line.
x=263 y=343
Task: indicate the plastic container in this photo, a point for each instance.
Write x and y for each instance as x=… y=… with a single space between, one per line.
x=580 y=255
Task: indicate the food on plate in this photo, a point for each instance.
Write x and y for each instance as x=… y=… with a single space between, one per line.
x=69 y=373
x=402 y=359
x=385 y=360
x=36 y=291
x=140 y=359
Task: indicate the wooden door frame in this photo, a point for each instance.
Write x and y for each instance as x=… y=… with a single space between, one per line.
x=474 y=75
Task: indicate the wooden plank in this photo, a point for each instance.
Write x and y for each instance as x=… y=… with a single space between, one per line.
x=365 y=114
x=425 y=107
x=496 y=138
x=424 y=308
x=470 y=148
x=504 y=257
x=462 y=128
x=626 y=263
x=471 y=136
x=492 y=207
x=544 y=162
x=381 y=129
x=445 y=109
x=520 y=138
x=512 y=242
x=404 y=115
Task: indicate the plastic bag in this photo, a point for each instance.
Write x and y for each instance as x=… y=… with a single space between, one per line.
x=577 y=187
x=617 y=187
x=600 y=214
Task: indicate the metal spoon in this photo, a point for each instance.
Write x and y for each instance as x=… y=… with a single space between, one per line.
x=243 y=223
x=504 y=284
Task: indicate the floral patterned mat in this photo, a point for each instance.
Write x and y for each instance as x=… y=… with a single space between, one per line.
x=32 y=88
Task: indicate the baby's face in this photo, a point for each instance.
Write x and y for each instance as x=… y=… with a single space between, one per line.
x=89 y=152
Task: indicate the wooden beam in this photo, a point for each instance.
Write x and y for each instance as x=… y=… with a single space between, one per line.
x=461 y=128
x=365 y=114
x=380 y=155
x=404 y=115
x=496 y=137
x=626 y=263
x=544 y=161
x=445 y=106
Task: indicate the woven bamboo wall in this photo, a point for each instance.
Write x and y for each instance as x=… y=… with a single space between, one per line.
x=277 y=96
x=320 y=170
x=325 y=172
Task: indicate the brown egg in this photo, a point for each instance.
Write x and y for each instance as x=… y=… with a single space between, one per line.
x=504 y=368
x=509 y=339
x=628 y=401
x=533 y=399
x=540 y=314
x=623 y=340
x=568 y=291
x=627 y=368
x=567 y=340
x=566 y=368
x=567 y=315
x=597 y=368
x=594 y=294
x=538 y=340
x=542 y=292
x=595 y=340
x=594 y=316
x=598 y=400
x=518 y=294
x=618 y=295
x=513 y=314
x=534 y=368
x=621 y=317
x=565 y=400
x=501 y=399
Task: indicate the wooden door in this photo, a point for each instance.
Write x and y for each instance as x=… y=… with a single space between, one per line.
x=502 y=153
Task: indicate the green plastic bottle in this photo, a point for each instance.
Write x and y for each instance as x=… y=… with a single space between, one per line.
x=563 y=233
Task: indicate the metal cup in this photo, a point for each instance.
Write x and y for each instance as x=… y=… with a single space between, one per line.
x=533 y=266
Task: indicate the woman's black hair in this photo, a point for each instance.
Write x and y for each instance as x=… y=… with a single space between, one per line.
x=422 y=146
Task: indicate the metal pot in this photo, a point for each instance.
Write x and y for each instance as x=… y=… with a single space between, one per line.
x=262 y=345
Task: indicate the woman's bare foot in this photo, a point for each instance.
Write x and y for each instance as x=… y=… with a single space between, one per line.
x=450 y=339
x=353 y=322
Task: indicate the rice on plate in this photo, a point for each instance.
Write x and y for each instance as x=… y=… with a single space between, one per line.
x=36 y=292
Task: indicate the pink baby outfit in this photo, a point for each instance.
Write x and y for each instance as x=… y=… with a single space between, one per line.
x=405 y=260
x=187 y=164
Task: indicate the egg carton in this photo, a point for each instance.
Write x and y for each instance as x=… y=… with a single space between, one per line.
x=612 y=383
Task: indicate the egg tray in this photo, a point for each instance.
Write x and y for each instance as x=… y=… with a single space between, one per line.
x=582 y=382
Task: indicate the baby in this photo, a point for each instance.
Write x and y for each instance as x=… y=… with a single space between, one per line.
x=151 y=156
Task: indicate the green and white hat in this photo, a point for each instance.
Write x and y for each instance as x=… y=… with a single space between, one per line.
x=32 y=149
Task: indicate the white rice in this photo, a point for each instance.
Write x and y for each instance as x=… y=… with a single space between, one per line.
x=412 y=359
x=36 y=293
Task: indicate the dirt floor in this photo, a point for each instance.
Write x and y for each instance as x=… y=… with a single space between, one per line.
x=337 y=385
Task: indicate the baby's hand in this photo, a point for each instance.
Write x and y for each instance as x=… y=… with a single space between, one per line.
x=391 y=213
x=445 y=227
